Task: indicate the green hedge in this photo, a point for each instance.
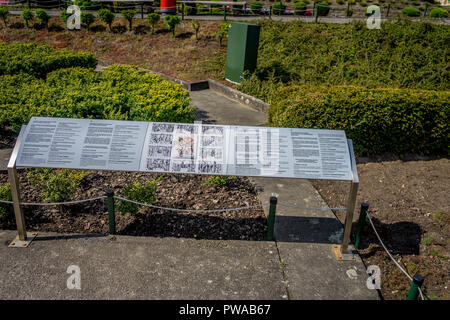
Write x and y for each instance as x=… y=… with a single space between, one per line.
x=38 y=60
x=439 y=13
x=120 y=92
x=411 y=12
x=395 y=121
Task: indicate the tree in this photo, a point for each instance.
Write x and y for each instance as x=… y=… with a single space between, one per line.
x=129 y=15
x=196 y=26
x=42 y=15
x=172 y=22
x=107 y=16
x=87 y=18
x=153 y=19
x=27 y=15
x=4 y=15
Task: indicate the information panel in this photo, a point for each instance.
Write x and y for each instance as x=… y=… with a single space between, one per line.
x=185 y=148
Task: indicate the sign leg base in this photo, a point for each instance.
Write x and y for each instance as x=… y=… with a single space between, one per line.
x=17 y=243
x=343 y=256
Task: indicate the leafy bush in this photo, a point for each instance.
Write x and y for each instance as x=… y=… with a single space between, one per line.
x=396 y=121
x=299 y=8
x=223 y=32
x=27 y=15
x=107 y=16
x=196 y=26
x=141 y=193
x=153 y=19
x=411 y=12
x=129 y=16
x=256 y=7
x=118 y=93
x=401 y=54
x=38 y=60
x=323 y=8
x=56 y=185
x=172 y=22
x=439 y=13
x=5 y=194
x=348 y=12
x=43 y=16
x=278 y=7
x=216 y=181
x=4 y=12
x=87 y=18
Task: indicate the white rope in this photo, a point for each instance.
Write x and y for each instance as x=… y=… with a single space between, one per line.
x=190 y=210
x=390 y=256
x=55 y=203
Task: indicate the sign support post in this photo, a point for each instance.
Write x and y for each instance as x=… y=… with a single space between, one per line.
x=23 y=239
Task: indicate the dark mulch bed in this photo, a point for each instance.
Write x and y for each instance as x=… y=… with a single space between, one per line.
x=7 y=138
x=410 y=208
x=174 y=191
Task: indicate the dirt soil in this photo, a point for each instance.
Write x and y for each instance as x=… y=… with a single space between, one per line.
x=410 y=207
x=174 y=191
x=182 y=57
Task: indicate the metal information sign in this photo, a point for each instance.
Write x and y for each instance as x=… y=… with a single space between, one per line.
x=185 y=148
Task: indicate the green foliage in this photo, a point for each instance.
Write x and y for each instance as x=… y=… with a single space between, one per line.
x=428 y=240
x=396 y=121
x=4 y=12
x=278 y=7
x=256 y=7
x=43 y=16
x=129 y=15
x=38 y=60
x=216 y=181
x=153 y=18
x=172 y=22
x=27 y=15
x=439 y=13
x=299 y=8
x=411 y=12
x=141 y=193
x=348 y=12
x=107 y=16
x=196 y=27
x=401 y=54
x=118 y=93
x=88 y=5
x=223 y=32
x=64 y=16
x=56 y=185
x=87 y=18
x=5 y=194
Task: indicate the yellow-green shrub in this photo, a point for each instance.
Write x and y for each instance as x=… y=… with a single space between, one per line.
x=379 y=121
x=5 y=195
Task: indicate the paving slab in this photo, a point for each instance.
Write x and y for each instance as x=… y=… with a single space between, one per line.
x=139 y=268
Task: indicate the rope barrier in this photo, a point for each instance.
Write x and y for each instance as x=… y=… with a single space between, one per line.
x=390 y=256
x=55 y=203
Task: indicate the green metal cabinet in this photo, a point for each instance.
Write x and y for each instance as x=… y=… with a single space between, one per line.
x=242 y=51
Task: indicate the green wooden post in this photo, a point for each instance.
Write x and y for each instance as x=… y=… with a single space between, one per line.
x=348 y=9
x=182 y=11
x=425 y=11
x=270 y=12
x=361 y=222
x=271 y=218
x=29 y=6
x=111 y=213
x=314 y=9
x=415 y=285
x=387 y=11
x=142 y=10
x=224 y=13
x=316 y=14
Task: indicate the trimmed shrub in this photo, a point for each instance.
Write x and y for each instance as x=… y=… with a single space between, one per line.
x=118 y=93
x=172 y=22
x=107 y=16
x=379 y=121
x=87 y=18
x=153 y=18
x=129 y=16
x=439 y=13
x=299 y=8
x=38 y=60
x=196 y=26
x=256 y=7
x=137 y=192
x=4 y=13
x=27 y=15
x=43 y=16
x=411 y=12
x=278 y=7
